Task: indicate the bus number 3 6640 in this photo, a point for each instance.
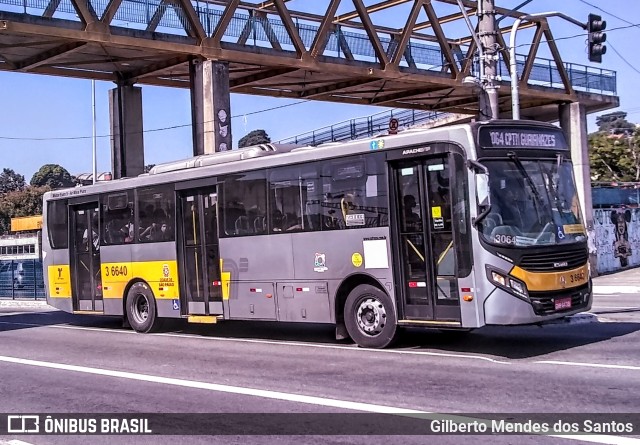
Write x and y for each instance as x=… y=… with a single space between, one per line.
x=115 y=271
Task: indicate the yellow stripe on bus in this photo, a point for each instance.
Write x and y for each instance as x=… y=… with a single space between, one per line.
x=59 y=281
x=548 y=281
x=225 y=278
x=162 y=276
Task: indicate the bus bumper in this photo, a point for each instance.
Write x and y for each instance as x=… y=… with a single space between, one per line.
x=502 y=308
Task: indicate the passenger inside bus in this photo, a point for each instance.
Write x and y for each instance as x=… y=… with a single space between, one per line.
x=153 y=232
x=94 y=235
x=412 y=222
x=278 y=221
x=120 y=230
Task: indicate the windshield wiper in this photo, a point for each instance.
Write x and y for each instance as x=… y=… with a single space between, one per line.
x=536 y=194
x=555 y=188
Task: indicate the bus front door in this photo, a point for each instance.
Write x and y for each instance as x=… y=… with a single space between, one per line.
x=85 y=258
x=429 y=290
x=201 y=287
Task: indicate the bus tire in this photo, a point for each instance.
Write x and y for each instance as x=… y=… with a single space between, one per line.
x=370 y=317
x=141 y=308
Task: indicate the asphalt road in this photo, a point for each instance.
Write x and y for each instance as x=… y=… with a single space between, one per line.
x=51 y=362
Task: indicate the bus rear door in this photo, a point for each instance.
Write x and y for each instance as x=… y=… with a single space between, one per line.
x=198 y=253
x=85 y=258
x=425 y=239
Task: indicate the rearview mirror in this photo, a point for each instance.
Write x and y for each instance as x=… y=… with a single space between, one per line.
x=482 y=189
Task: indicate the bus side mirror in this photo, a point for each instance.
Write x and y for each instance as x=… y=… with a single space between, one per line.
x=482 y=190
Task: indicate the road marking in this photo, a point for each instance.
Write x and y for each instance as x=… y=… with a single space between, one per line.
x=290 y=397
x=337 y=347
x=270 y=342
x=588 y=365
x=276 y=395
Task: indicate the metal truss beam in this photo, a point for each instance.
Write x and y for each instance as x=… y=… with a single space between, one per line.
x=344 y=58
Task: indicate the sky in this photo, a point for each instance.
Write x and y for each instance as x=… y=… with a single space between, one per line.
x=46 y=119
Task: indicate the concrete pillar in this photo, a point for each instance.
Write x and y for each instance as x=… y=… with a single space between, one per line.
x=573 y=120
x=210 y=106
x=127 y=142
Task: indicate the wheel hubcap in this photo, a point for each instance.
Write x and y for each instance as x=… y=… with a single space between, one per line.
x=371 y=316
x=141 y=308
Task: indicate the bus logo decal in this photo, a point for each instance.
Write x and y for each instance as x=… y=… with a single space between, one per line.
x=165 y=270
x=320 y=262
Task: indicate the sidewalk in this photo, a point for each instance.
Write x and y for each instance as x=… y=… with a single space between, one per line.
x=23 y=303
x=623 y=282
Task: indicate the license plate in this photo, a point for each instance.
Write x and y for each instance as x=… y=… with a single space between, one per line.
x=563 y=303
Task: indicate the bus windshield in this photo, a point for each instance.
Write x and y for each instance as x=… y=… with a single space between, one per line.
x=533 y=202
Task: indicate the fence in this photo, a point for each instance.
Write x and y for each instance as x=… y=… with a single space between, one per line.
x=21 y=279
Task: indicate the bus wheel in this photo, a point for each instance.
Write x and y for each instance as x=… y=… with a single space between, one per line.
x=370 y=317
x=141 y=308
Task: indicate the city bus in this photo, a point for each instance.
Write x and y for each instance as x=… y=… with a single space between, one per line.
x=450 y=228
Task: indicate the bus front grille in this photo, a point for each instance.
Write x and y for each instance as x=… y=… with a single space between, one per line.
x=544 y=303
x=556 y=261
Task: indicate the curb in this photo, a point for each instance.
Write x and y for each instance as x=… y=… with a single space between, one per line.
x=22 y=303
x=615 y=289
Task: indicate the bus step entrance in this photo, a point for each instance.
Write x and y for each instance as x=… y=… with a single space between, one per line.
x=204 y=319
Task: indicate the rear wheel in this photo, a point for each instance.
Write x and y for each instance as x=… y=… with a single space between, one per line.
x=141 y=308
x=370 y=317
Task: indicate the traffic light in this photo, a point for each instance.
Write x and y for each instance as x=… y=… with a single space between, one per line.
x=595 y=28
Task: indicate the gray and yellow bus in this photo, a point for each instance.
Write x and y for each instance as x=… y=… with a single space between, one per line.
x=450 y=228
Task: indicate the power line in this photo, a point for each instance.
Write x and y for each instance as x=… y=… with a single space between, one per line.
x=173 y=127
x=608 y=13
x=622 y=57
x=609 y=43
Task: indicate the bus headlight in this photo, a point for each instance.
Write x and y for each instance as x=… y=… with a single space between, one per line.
x=516 y=285
x=504 y=281
x=498 y=278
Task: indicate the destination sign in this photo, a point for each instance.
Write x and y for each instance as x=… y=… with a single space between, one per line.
x=518 y=137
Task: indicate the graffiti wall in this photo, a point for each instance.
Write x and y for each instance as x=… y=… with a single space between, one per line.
x=617 y=238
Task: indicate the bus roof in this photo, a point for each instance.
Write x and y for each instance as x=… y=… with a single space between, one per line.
x=273 y=155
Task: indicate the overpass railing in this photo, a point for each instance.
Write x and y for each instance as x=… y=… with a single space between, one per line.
x=361 y=127
x=259 y=31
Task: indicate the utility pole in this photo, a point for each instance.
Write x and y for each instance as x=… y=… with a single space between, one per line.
x=489 y=61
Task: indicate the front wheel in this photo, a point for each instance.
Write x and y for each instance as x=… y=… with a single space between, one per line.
x=370 y=317
x=141 y=308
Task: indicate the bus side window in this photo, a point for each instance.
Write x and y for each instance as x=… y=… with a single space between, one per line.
x=354 y=193
x=243 y=205
x=156 y=217
x=289 y=191
x=117 y=218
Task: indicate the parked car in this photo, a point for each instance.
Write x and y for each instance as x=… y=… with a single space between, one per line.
x=25 y=275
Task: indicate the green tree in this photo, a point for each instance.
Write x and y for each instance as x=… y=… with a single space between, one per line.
x=25 y=202
x=10 y=181
x=53 y=176
x=254 y=137
x=615 y=157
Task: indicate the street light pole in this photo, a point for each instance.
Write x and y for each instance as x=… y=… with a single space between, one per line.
x=93 y=106
x=489 y=57
x=513 y=71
